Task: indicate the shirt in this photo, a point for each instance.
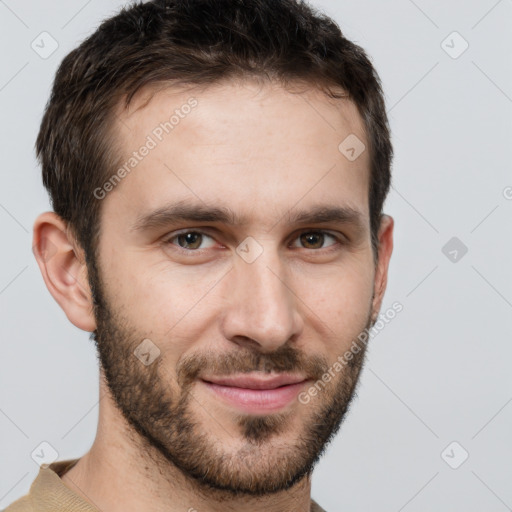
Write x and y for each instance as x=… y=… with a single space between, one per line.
x=48 y=493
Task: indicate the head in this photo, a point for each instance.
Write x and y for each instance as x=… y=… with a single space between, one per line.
x=208 y=223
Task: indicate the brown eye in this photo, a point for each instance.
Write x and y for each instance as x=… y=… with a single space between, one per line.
x=315 y=239
x=190 y=240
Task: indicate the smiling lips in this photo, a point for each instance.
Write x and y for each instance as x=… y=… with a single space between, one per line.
x=254 y=394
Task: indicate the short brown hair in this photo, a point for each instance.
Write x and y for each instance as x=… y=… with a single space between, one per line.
x=193 y=42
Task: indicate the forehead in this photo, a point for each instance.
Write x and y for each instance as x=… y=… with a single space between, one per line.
x=242 y=145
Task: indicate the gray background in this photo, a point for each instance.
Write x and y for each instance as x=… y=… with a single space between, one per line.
x=438 y=373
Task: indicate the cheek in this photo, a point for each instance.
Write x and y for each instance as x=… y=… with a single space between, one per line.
x=170 y=306
x=341 y=297
x=152 y=288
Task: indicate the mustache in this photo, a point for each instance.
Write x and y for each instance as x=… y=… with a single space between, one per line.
x=285 y=359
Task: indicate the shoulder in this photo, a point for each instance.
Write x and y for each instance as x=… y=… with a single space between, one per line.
x=315 y=507
x=23 y=504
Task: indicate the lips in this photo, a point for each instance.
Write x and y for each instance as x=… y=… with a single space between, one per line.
x=254 y=382
x=256 y=394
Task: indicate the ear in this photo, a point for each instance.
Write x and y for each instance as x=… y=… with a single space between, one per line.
x=385 y=248
x=62 y=265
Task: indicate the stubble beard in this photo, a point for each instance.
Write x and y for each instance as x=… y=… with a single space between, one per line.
x=169 y=432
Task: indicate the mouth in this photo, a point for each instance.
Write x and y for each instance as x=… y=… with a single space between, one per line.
x=256 y=393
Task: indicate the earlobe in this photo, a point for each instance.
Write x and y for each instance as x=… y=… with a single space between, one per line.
x=385 y=249
x=63 y=269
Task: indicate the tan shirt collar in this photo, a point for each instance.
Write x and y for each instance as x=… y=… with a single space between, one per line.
x=48 y=493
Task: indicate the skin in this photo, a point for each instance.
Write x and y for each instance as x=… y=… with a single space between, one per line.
x=264 y=153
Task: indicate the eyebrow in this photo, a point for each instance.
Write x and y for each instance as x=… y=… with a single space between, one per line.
x=190 y=212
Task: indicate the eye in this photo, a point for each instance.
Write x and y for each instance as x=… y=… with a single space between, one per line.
x=195 y=241
x=316 y=239
x=190 y=240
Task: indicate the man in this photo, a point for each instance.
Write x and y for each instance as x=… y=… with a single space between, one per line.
x=217 y=171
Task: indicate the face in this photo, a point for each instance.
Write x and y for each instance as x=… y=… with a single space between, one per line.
x=234 y=268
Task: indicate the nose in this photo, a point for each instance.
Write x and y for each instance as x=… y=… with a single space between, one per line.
x=261 y=307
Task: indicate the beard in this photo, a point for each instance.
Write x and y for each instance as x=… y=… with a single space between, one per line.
x=161 y=409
